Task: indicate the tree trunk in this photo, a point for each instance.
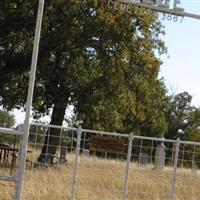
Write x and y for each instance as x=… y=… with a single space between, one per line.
x=52 y=138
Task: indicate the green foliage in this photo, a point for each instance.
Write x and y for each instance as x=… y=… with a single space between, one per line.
x=178 y=115
x=16 y=35
x=99 y=60
x=6 y=119
x=192 y=133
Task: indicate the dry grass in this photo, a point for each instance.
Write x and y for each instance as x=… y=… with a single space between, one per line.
x=100 y=179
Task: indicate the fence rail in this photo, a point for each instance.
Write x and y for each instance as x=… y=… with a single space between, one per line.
x=10 y=131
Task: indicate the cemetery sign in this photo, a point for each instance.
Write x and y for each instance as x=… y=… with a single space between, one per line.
x=165 y=6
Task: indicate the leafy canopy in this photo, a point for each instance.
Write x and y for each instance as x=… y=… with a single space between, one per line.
x=6 y=119
x=99 y=60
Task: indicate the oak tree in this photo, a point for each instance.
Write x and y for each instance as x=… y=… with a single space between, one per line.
x=92 y=57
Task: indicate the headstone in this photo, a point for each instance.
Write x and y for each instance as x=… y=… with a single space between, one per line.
x=194 y=168
x=160 y=156
x=86 y=153
x=63 y=152
x=85 y=156
x=143 y=159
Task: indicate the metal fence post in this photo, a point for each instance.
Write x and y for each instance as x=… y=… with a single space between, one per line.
x=79 y=133
x=26 y=127
x=173 y=188
x=125 y=190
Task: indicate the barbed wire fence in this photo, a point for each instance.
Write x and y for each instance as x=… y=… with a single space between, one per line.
x=89 y=164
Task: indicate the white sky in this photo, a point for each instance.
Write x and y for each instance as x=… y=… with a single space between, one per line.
x=182 y=69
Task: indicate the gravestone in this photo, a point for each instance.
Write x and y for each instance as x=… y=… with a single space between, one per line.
x=63 y=152
x=194 y=168
x=160 y=156
x=143 y=159
x=86 y=154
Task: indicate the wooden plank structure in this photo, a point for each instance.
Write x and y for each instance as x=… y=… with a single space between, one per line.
x=107 y=144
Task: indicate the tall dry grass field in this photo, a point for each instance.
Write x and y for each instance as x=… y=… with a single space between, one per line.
x=100 y=179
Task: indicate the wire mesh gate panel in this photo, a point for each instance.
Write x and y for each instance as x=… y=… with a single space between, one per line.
x=151 y=170
x=50 y=180
x=100 y=175
x=188 y=176
x=102 y=165
x=87 y=164
x=171 y=174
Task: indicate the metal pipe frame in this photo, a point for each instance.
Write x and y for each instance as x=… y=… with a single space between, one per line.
x=161 y=9
x=10 y=131
x=26 y=127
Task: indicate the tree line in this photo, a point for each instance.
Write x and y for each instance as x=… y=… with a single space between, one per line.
x=101 y=61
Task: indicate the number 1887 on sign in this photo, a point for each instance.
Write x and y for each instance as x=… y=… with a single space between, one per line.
x=171 y=17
